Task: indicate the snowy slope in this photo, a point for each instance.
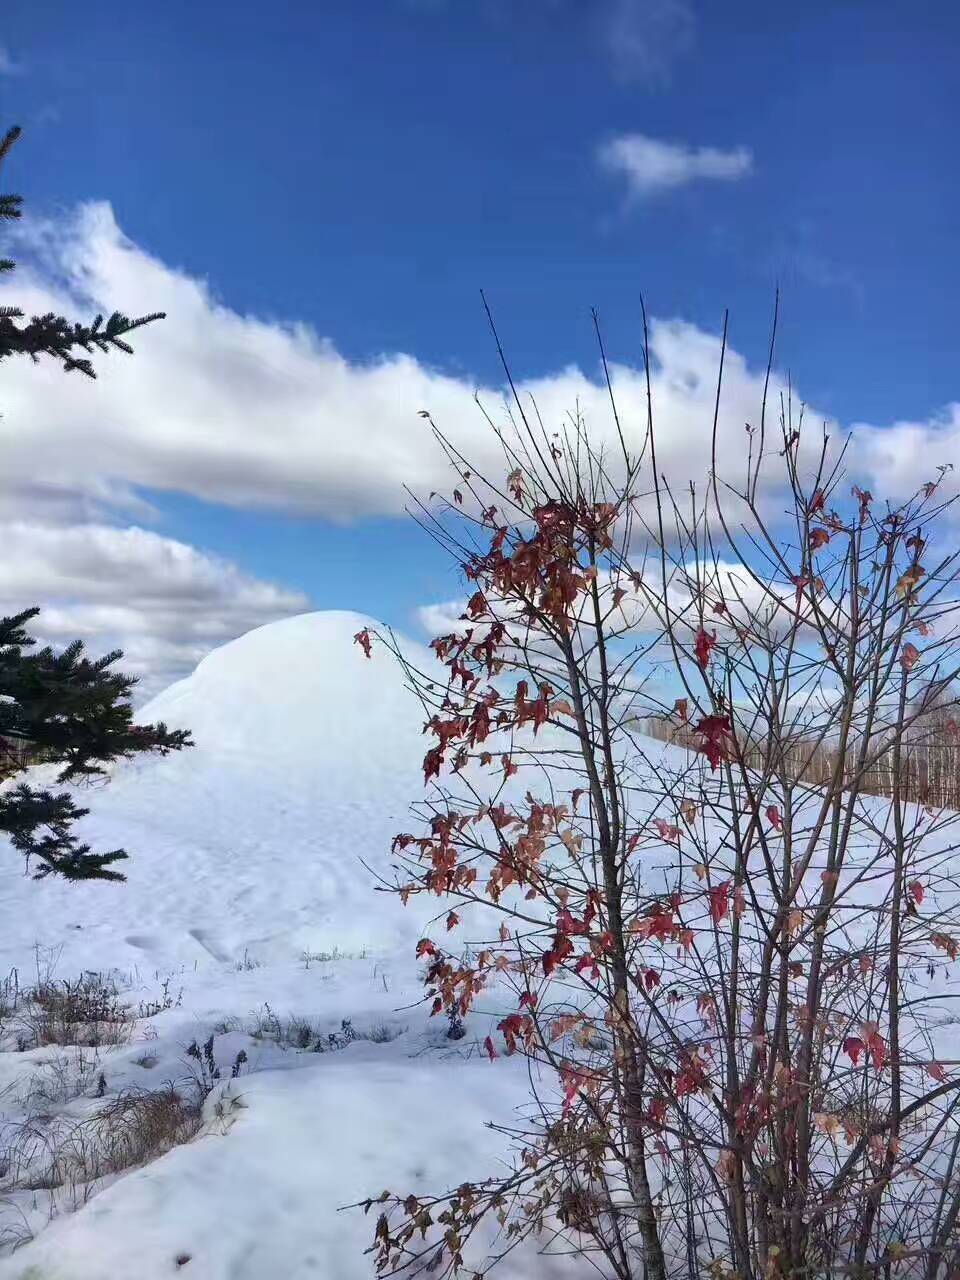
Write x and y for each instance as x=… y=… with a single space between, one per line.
x=246 y=852
x=306 y=758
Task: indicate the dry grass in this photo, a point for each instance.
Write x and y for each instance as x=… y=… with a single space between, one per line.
x=57 y=1154
x=60 y=1079
x=302 y=1033
x=929 y=773
x=88 y=1012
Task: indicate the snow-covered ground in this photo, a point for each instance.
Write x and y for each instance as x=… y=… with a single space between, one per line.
x=250 y=894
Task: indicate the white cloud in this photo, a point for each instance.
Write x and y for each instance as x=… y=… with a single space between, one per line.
x=443 y=618
x=253 y=412
x=902 y=457
x=652 y=166
x=163 y=602
x=250 y=412
x=646 y=37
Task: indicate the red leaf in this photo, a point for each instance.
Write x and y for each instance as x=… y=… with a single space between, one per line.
x=657 y=1111
x=715 y=731
x=943 y=942
x=514 y=1027
x=651 y=979
x=490 y=1048
x=818 y=501
x=589 y=962
x=691 y=1077
x=853 y=1046
x=917 y=891
x=681 y=707
x=864 y=497
x=719 y=607
x=719 y=897
x=477 y=605
x=573 y=1081
x=878 y=1050
x=452 y=920
x=426 y=948
x=704 y=646
x=667 y=830
x=431 y=763
x=362 y=638
x=818 y=538
x=529 y=1000
x=774 y=818
x=936 y=1070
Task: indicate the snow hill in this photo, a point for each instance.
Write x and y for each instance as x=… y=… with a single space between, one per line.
x=247 y=891
x=306 y=758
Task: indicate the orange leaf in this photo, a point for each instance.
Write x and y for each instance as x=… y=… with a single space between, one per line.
x=909 y=655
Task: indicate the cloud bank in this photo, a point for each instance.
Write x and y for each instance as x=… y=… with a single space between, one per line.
x=253 y=412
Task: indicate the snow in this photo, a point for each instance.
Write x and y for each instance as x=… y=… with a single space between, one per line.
x=306 y=758
x=251 y=892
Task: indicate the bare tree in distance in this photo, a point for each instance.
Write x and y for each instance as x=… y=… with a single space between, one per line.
x=731 y=979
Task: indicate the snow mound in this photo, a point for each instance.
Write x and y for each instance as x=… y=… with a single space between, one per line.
x=298 y=690
x=265 y=838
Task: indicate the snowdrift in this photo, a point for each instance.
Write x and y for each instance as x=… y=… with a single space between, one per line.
x=250 y=894
x=307 y=756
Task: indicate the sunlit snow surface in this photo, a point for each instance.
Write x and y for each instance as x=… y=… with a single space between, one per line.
x=247 y=852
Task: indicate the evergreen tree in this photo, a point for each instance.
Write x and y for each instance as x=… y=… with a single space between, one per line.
x=75 y=712
x=62 y=708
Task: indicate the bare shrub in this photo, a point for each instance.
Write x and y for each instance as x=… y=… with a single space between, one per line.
x=205 y=1068
x=89 y=1011
x=10 y=995
x=306 y=1035
x=731 y=979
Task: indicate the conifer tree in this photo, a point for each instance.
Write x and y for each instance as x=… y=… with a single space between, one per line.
x=63 y=708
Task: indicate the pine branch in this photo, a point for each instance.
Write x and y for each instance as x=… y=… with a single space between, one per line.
x=72 y=711
x=53 y=335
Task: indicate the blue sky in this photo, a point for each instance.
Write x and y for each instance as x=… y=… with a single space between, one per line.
x=365 y=168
